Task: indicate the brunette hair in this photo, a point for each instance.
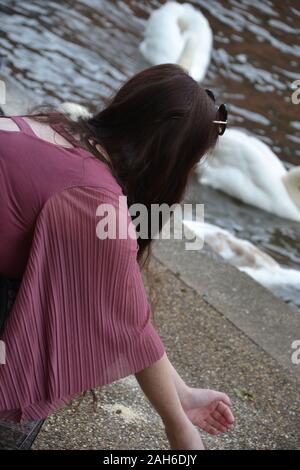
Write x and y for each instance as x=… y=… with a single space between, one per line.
x=155 y=129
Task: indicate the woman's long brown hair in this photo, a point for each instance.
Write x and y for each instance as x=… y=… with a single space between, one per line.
x=155 y=129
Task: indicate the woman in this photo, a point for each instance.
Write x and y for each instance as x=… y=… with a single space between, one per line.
x=81 y=318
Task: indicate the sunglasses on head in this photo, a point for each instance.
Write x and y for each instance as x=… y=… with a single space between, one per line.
x=222 y=112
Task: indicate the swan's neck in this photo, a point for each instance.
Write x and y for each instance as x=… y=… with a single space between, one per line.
x=186 y=58
x=291 y=181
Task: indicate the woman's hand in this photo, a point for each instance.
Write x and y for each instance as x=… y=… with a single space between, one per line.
x=207 y=409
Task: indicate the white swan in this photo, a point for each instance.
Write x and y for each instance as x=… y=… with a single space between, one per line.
x=245 y=256
x=178 y=33
x=246 y=168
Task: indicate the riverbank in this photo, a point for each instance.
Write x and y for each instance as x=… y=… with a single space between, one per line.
x=221 y=330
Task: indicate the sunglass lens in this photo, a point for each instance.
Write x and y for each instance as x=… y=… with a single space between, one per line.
x=223 y=113
x=210 y=94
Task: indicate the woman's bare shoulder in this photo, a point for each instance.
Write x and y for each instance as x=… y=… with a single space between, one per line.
x=7 y=124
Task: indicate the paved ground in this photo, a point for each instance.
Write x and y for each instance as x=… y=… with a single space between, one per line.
x=208 y=351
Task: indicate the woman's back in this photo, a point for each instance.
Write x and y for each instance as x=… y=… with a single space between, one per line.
x=35 y=163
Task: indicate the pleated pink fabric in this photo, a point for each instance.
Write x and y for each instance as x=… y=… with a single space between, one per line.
x=81 y=318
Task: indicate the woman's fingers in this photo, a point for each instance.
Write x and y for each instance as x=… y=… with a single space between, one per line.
x=216 y=424
x=219 y=417
x=225 y=411
x=207 y=427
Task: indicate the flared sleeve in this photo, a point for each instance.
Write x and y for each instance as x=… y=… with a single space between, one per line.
x=81 y=318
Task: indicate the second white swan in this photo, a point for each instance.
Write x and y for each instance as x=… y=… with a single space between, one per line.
x=247 y=169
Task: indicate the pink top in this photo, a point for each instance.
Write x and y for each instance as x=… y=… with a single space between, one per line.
x=81 y=318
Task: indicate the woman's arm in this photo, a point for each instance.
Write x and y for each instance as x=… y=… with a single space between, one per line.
x=158 y=385
x=183 y=390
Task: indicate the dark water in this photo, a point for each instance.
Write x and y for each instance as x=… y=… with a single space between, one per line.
x=83 y=51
